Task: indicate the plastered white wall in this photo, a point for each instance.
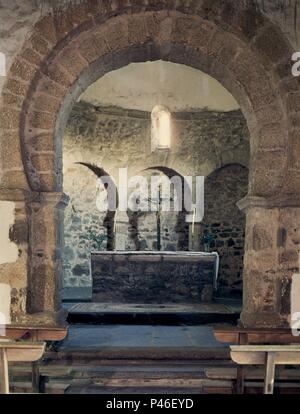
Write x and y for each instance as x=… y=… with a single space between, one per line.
x=142 y=86
x=5 y=298
x=295 y=294
x=8 y=249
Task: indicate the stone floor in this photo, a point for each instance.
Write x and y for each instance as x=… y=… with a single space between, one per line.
x=117 y=358
x=222 y=308
x=91 y=337
x=143 y=359
x=226 y=311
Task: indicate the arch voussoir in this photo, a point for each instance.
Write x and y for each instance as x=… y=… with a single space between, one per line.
x=114 y=39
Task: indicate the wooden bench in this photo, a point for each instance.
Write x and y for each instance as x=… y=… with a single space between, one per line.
x=17 y=352
x=34 y=334
x=268 y=355
x=253 y=336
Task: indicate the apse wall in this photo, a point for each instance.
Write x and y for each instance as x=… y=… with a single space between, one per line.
x=113 y=138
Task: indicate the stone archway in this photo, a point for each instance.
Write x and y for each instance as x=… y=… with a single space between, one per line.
x=65 y=55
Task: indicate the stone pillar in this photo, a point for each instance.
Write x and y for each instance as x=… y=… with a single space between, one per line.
x=133 y=239
x=195 y=239
x=121 y=230
x=46 y=215
x=271 y=258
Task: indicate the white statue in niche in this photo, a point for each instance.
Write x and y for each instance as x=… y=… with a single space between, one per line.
x=160 y=128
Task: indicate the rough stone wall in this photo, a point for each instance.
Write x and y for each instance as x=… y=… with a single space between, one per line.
x=114 y=138
x=225 y=223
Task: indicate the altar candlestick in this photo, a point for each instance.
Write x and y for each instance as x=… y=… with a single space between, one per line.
x=115 y=221
x=193 y=223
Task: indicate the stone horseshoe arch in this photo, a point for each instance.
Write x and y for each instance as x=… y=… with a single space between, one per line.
x=63 y=57
x=61 y=80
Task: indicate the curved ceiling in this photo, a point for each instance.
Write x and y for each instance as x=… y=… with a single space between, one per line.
x=141 y=86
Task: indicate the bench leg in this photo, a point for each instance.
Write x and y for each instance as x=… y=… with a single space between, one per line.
x=4 y=381
x=35 y=377
x=43 y=382
x=240 y=380
x=270 y=373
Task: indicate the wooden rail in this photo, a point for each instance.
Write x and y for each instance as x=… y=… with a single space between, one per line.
x=17 y=352
x=267 y=355
x=254 y=336
x=34 y=334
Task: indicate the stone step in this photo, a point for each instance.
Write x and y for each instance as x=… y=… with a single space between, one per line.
x=56 y=385
x=102 y=379
x=67 y=388
x=227 y=373
x=137 y=378
x=153 y=314
x=122 y=364
x=110 y=374
x=151 y=371
x=214 y=387
x=98 y=373
x=142 y=353
x=21 y=387
x=206 y=387
x=168 y=381
x=110 y=369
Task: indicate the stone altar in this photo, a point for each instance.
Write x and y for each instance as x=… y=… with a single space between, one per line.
x=154 y=277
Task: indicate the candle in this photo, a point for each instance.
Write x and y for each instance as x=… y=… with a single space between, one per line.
x=115 y=221
x=193 y=223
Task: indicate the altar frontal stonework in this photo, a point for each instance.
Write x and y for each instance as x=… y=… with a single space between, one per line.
x=152 y=277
